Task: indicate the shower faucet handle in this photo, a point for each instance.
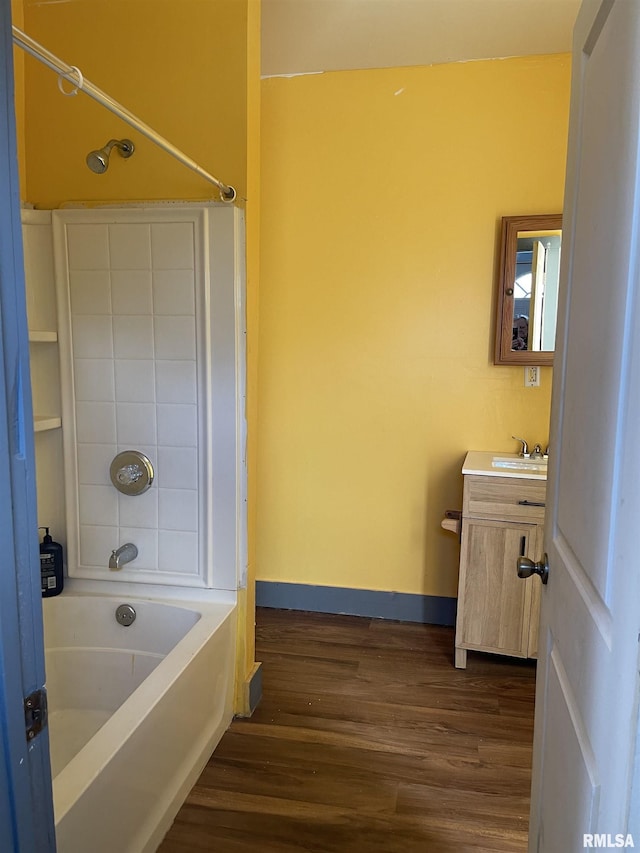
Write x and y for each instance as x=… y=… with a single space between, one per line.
x=129 y=474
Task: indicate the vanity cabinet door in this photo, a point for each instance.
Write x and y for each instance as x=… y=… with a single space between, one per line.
x=494 y=604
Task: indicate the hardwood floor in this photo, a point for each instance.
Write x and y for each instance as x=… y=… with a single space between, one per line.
x=368 y=739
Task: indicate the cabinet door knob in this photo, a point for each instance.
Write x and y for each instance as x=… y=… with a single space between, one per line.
x=527 y=567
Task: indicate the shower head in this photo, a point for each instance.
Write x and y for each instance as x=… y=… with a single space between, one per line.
x=98 y=161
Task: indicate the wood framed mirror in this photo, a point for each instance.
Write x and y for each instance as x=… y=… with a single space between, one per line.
x=528 y=279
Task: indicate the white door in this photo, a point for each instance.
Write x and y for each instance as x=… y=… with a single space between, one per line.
x=587 y=690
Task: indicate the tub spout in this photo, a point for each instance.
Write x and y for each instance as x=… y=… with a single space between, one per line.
x=123 y=554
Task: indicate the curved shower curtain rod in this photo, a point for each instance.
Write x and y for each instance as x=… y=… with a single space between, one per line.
x=75 y=77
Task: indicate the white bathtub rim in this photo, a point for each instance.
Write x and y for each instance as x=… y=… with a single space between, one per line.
x=127 y=651
x=164 y=594
x=82 y=770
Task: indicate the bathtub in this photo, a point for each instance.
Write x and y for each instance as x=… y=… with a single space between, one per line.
x=134 y=713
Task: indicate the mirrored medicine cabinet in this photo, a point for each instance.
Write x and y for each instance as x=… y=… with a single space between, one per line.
x=528 y=279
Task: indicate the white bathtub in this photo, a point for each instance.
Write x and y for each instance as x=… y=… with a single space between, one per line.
x=134 y=713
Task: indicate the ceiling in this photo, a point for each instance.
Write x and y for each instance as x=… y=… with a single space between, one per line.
x=307 y=36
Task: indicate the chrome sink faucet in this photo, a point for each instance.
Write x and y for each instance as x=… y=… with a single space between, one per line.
x=525 y=447
x=124 y=554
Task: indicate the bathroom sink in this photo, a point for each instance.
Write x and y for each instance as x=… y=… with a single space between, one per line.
x=519 y=463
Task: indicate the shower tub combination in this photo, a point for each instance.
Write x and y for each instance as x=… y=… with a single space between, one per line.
x=150 y=314
x=134 y=713
x=150 y=333
x=136 y=709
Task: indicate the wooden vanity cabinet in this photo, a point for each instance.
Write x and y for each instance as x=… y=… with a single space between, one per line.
x=502 y=518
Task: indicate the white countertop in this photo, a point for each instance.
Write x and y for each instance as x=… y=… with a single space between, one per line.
x=481 y=462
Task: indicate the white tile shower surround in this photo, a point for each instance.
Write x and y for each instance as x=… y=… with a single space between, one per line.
x=135 y=382
x=151 y=330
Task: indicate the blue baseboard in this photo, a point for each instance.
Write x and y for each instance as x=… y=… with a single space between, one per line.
x=401 y=606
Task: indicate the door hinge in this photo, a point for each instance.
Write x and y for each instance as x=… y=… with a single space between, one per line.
x=35 y=712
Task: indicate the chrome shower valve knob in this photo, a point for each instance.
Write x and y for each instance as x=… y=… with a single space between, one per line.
x=129 y=474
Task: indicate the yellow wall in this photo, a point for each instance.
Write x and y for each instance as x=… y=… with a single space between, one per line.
x=179 y=66
x=382 y=193
x=191 y=70
x=17 y=19
x=247 y=598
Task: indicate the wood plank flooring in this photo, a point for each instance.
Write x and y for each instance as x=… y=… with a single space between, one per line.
x=368 y=739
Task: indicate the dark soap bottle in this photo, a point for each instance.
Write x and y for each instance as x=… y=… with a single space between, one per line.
x=51 y=576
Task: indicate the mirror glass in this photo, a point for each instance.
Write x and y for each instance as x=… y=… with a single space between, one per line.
x=528 y=289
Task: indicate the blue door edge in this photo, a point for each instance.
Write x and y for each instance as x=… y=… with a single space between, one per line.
x=26 y=802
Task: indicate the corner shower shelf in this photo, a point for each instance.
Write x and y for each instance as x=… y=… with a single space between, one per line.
x=43 y=337
x=41 y=423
